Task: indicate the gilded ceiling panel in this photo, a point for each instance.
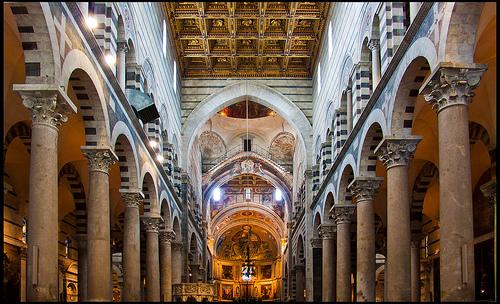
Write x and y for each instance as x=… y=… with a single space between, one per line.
x=247 y=39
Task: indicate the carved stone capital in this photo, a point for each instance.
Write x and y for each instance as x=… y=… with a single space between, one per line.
x=132 y=199
x=167 y=236
x=365 y=188
x=122 y=46
x=489 y=190
x=343 y=213
x=394 y=151
x=327 y=231
x=100 y=159
x=177 y=246
x=374 y=44
x=316 y=243
x=151 y=224
x=49 y=104
x=452 y=84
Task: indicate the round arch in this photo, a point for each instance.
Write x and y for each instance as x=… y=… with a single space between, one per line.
x=236 y=92
x=77 y=60
x=348 y=161
x=125 y=149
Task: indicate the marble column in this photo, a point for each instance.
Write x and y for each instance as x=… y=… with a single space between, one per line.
x=489 y=190
x=48 y=113
x=121 y=69
x=131 y=245
x=99 y=283
x=415 y=269
x=299 y=283
x=349 y=110
x=22 y=279
x=152 y=259
x=166 y=238
x=374 y=46
x=82 y=267
x=449 y=89
x=328 y=234
x=364 y=190
x=395 y=154
x=177 y=262
x=343 y=215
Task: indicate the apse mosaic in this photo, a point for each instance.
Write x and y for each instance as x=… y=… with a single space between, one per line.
x=235 y=244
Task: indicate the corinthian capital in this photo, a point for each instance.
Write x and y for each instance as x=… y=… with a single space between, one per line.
x=49 y=104
x=122 y=46
x=343 y=213
x=373 y=44
x=177 y=246
x=327 y=231
x=167 y=236
x=151 y=224
x=364 y=188
x=132 y=198
x=394 y=151
x=100 y=159
x=452 y=84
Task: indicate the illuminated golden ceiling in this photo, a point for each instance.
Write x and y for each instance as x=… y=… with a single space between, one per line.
x=247 y=39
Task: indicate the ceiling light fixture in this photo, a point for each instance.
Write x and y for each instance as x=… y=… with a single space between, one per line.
x=91 y=22
x=110 y=59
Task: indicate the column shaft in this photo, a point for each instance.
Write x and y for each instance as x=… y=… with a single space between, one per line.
x=415 y=271
x=349 y=110
x=152 y=267
x=99 y=283
x=398 y=234
x=374 y=46
x=121 y=68
x=455 y=210
x=329 y=269
x=450 y=90
x=177 y=263
x=131 y=252
x=365 y=258
x=343 y=262
x=99 y=248
x=42 y=225
x=166 y=271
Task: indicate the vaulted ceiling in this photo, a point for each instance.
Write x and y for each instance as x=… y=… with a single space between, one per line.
x=247 y=39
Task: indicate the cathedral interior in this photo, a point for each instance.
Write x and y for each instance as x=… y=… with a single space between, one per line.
x=249 y=151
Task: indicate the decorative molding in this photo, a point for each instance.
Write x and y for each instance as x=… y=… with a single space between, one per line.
x=343 y=213
x=100 y=159
x=132 y=199
x=151 y=224
x=49 y=104
x=167 y=236
x=374 y=44
x=365 y=188
x=316 y=243
x=393 y=151
x=452 y=84
x=328 y=231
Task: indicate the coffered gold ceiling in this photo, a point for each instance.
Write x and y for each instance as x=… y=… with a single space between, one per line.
x=247 y=39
